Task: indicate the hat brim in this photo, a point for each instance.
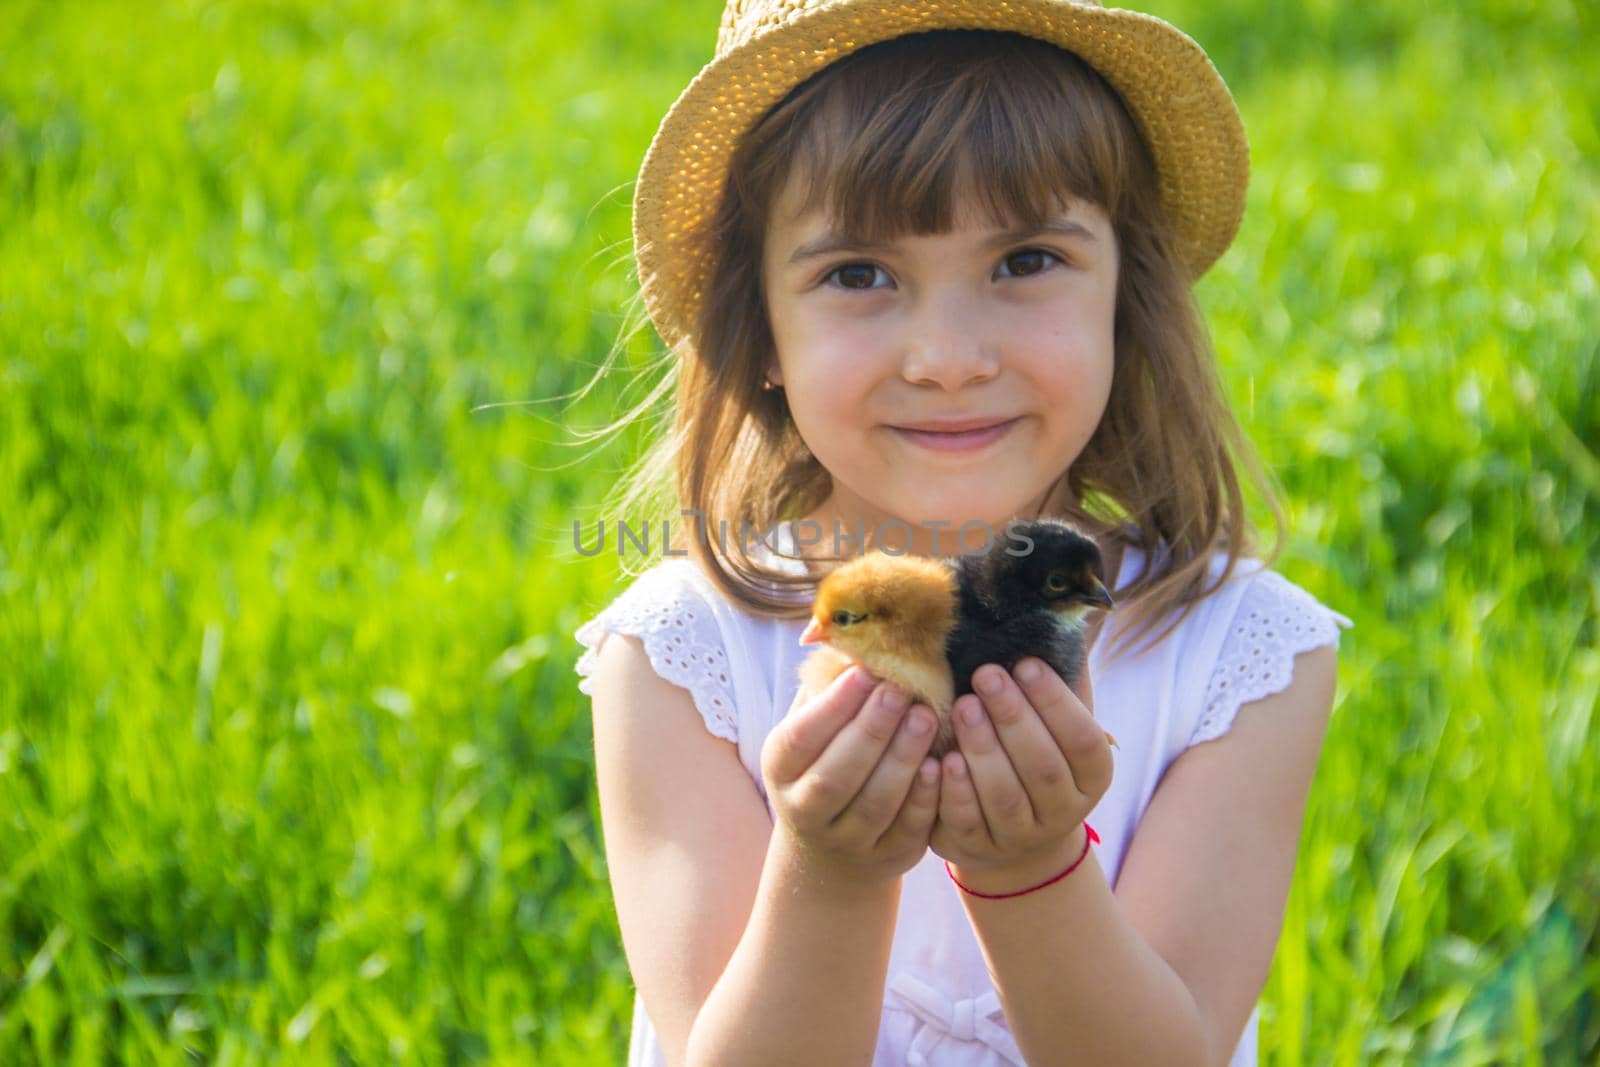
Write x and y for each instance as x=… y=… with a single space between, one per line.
x=1182 y=106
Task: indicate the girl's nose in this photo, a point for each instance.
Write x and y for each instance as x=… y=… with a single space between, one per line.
x=947 y=346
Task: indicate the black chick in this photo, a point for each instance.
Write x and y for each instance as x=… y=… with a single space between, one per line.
x=1014 y=606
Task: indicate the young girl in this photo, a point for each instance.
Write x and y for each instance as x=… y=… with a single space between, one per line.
x=926 y=264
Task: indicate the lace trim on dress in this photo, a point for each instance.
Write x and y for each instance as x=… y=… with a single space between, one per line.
x=682 y=640
x=1276 y=621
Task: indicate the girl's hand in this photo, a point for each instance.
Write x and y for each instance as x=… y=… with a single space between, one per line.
x=1013 y=798
x=849 y=778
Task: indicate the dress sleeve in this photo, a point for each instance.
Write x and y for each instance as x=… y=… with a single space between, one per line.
x=1275 y=621
x=671 y=616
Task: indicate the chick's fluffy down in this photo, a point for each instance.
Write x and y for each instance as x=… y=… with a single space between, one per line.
x=893 y=616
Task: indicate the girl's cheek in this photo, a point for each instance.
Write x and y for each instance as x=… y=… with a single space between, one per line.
x=834 y=327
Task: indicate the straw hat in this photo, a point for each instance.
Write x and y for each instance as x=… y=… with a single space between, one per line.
x=767 y=47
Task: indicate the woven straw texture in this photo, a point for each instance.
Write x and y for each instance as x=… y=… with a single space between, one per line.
x=766 y=47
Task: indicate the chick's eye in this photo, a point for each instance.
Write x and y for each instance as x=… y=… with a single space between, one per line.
x=855 y=275
x=1028 y=261
x=1056 y=582
x=843 y=618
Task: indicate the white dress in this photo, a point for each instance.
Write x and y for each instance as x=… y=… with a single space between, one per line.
x=940 y=1008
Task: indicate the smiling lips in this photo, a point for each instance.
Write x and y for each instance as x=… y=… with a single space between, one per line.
x=956 y=435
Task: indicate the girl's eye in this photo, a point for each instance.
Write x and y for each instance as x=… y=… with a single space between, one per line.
x=1030 y=261
x=1018 y=264
x=855 y=275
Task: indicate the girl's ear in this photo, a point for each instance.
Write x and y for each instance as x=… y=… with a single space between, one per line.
x=774 y=376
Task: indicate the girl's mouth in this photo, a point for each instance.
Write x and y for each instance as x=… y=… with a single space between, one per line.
x=961 y=441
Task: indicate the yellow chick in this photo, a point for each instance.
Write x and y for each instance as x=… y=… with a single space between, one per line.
x=892 y=615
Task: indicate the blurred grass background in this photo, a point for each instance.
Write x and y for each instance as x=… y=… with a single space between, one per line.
x=293 y=768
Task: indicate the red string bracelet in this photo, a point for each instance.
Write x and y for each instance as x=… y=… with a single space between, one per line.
x=1091 y=836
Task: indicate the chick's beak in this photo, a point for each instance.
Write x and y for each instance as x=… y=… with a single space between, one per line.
x=1100 y=595
x=815 y=632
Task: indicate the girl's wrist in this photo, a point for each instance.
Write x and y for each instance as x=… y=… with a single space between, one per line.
x=1035 y=871
x=826 y=874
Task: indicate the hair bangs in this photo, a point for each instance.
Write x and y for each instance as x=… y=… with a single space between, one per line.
x=889 y=146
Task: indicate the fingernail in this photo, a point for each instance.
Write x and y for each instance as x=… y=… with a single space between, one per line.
x=1027 y=671
x=972 y=714
x=918 y=725
x=988 y=682
x=896 y=700
x=861 y=678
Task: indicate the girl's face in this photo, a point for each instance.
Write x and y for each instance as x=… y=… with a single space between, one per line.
x=948 y=377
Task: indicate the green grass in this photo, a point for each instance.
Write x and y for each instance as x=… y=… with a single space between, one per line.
x=292 y=765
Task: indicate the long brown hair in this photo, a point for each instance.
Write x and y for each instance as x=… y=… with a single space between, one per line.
x=885 y=138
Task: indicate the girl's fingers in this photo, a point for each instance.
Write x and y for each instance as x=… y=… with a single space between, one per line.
x=881 y=799
x=960 y=814
x=806 y=733
x=833 y=780
x=1006 y=807
x=1084 y=690
x=1041 y=768
x=1075 y=731
x=911 y=827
